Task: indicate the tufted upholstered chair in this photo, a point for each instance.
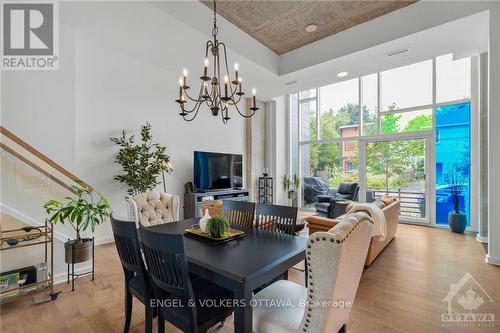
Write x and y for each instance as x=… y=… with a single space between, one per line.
x=335 y=261
x=153 y=207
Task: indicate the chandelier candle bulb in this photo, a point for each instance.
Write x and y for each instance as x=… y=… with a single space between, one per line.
x=184 y=76
x=253 y=93
x=236 y=73
x=226 y=79
x=205 y=70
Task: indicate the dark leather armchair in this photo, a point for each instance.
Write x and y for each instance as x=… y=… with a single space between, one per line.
x=325 y=205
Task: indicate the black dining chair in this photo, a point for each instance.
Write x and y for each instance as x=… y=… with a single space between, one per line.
x=239 y=212
x=137 y=281
x=276 y=218
x=181 y=300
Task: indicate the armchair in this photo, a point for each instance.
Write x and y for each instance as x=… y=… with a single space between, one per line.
x=153 y=207
x=327 y=203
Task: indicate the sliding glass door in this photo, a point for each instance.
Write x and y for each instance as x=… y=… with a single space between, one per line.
x=398 y=167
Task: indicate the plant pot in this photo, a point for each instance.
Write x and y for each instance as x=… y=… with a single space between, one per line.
x=457 y=222
x=82 y=250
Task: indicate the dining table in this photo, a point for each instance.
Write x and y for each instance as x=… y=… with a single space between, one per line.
x=241 y=265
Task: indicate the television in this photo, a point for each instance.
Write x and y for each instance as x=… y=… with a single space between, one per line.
x=217 y=171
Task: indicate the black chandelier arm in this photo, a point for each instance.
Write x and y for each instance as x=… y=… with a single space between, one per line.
x=234 y=102
x=244 y=115
x=194 y=99
x=196 y=109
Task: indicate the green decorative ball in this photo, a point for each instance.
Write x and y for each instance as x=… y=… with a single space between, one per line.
x=218 y=226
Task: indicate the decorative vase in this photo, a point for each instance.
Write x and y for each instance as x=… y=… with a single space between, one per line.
x=457 y=221
x=82 y=250
x=204 y=220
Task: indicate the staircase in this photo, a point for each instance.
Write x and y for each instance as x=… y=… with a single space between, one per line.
x=28 y=179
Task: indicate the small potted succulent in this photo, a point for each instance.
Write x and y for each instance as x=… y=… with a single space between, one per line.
x=82 y=212
x=218 y=226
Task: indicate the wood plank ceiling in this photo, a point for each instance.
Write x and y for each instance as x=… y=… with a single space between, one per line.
x=280 y=25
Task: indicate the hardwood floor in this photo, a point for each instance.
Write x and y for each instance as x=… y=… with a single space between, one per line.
x=402 y=291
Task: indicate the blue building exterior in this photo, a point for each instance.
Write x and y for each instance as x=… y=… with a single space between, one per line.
x=452 y=151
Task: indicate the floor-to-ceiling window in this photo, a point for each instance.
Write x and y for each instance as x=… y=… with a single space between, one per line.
x=409 y=125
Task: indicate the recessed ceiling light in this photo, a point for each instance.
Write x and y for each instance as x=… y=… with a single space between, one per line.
x=342 y=74
x=311 y=27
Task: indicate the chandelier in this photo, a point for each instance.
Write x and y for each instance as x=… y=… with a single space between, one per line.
x=219 y=95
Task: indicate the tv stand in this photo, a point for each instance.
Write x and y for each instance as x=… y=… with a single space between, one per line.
x=193 y=201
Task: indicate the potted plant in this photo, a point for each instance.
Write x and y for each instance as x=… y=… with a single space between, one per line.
x=82 y=212
x=218 y=226
x=291 y=186
x=457 y=219
x=141 y=163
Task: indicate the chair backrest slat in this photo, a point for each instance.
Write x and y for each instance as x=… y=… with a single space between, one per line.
x=166 y=259
x=127 y=245
x=276 y=218
x=239 y=212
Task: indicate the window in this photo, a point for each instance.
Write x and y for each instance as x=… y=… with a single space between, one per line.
x=453 y=78
x=339 y=113
x=308 y=94
x=308 y=123
x=329 y=164
x=407 y=86
x=369 y=100
x=294 y=130
x=406 y=121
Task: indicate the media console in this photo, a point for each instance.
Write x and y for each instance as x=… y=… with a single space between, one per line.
x=193 y=201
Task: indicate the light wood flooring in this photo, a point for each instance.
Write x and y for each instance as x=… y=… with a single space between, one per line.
x=402 y=291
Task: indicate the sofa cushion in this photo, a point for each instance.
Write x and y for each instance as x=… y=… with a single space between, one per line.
x=379 y=203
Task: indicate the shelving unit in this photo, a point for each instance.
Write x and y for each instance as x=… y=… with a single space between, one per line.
x=46 y=238
x=266 y=190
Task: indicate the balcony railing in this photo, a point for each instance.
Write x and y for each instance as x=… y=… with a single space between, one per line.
x=412 y=201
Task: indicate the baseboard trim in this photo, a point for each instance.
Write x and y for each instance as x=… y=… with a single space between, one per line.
x=63 y=277
x=492 y=261
x=482 y=239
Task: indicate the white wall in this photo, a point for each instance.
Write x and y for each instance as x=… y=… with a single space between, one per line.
x=104 y=85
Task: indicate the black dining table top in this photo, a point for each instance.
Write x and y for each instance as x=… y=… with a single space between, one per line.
x=240 y=259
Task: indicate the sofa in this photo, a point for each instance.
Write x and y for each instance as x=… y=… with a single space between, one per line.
x=390 y=207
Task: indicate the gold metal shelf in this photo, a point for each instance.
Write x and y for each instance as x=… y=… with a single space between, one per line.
x=46 y=238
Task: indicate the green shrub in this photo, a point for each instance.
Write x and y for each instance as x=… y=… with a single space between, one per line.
x=218 y=226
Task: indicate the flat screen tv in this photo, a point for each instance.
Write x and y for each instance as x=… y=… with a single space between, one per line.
x=216 y=171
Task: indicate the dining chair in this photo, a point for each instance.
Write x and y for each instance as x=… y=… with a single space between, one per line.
x=239 y=212
x=137 y=282
x=153 y=207
x=185 y=302
x=335 y=261
x=276 y=218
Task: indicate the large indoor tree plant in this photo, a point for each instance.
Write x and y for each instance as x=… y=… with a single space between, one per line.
x=457 y=219
x=82 y=212
x=141 y=163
